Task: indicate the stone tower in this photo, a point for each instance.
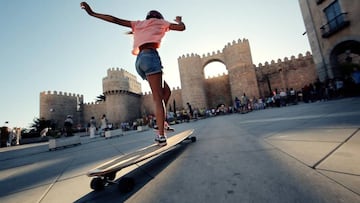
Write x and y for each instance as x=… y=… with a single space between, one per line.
x=123 y=96
x=242 y=75
x=192 y=80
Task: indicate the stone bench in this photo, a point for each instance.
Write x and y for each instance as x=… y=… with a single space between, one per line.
x=64 y=142
x=113 y=133
x=142 y=128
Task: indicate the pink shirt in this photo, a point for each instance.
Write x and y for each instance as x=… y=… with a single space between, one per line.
x=148 y=31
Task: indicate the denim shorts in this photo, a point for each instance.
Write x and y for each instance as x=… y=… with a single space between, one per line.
x=148 y=62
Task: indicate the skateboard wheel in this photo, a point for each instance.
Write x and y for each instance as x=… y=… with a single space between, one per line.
x=111 y=176
x=126 y=184
x=193 y=139
x=97 y=184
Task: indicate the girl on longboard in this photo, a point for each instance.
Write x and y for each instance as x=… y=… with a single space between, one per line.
x=147 y=38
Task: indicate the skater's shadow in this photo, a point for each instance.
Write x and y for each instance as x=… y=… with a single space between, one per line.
x=141 y=175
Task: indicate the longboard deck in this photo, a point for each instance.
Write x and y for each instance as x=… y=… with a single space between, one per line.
x=140 y=155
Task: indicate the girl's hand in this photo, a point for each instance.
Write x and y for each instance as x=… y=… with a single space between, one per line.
x=178 y=19
x=86 y=6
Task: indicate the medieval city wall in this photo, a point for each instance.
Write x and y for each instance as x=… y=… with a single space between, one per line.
x=56 y=106
x=294 y=73
x=218 y=91
x=122 y=106
x=147 y=105
x=125 y=102
x=96 y=109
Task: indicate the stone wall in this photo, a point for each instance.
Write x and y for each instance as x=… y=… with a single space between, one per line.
x=294 y=73
x=147 y=105
x=218 y=91
x=56 y=106
x=94 y=109
x=122 y=106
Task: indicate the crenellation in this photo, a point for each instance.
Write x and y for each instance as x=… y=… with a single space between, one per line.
x=60 y=93
x=94 y=103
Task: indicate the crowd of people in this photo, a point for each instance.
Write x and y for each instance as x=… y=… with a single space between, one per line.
x=9 y=136
x=314 y=92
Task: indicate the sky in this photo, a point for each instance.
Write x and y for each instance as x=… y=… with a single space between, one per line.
x=56 y=46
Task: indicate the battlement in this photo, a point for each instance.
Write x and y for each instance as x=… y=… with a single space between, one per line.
x=239 y=42
x=208 y=55
x=192 y=55
x=115 y=73
x=293 y=59
x=56 y=93
x=218 y=52
x=217 y=76
x=94 y=103
x=149 y=92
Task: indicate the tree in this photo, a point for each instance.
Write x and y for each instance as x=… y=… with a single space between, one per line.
x=101 y=98
x=39 y=124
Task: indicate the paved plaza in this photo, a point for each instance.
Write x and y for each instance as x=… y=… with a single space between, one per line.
x=308 y=152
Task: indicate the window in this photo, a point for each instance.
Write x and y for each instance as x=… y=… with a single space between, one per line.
x=335 y=19
x=333 y=15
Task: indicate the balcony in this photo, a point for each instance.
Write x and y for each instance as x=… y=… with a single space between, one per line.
x=333 y=26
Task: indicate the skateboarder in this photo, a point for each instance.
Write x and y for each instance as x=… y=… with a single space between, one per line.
x=147 y=38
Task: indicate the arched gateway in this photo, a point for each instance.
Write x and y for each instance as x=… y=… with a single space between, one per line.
x=241 y=76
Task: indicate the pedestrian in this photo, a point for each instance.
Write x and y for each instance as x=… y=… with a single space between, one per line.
x=355 y=75
x=103 y=126
x=68 y=125
x=4 y=136
x=147 y=36
x=92 y=127
x=190 y=110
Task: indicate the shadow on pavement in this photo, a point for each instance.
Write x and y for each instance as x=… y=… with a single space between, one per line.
x=142 y=175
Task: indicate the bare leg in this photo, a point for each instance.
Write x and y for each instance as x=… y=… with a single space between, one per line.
x=166 y=92
x=158 y=92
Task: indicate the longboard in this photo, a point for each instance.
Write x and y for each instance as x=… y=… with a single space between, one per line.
x=106 y=173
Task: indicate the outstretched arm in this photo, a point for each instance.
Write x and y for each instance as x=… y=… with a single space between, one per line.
x=180 y=26
x=105 y=17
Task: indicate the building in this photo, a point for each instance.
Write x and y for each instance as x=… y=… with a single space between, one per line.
x=333 y=30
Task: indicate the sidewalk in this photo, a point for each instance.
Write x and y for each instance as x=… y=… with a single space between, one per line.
x=300 y=153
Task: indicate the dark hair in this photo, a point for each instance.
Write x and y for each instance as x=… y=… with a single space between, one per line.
x=154 y=14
